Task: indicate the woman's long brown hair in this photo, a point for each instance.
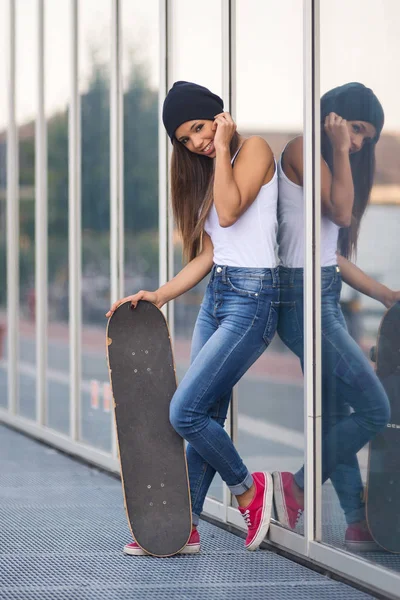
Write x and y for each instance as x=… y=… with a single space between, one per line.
x=192 y=193
x=363 y=170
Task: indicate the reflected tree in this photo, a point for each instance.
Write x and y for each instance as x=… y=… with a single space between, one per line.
x=140 y=174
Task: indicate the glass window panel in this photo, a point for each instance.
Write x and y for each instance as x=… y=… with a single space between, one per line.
x=26 y=109
x=140 y=63
x=369 y=53
x=94 y=86
x=3 y=211
x=57 y=83
x=269 y=85
x=196 y=56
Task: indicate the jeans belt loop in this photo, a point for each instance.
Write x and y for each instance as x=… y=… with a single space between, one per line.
x=274 y=277
x=212 y=273
x=291 y=277
x=224 y=276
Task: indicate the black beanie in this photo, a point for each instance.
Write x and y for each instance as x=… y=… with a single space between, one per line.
x=187 y=101
x=354 y=102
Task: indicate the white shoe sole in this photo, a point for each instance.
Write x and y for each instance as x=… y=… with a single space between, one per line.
x=192 y=549
x=363 y=547
x=266 y=517
x=279 y=500
x=134 y=551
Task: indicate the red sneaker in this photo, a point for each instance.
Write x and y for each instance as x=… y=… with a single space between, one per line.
x=191 y=547
x=258 y=513
x=359 y=539
x=287 y=508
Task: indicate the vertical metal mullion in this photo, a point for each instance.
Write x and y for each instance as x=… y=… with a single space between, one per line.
x=232 y=107
x=170 y=218
x=75 y=239
x=312 y=272
x=121 y=158
x=228 y=15
x=308 y=273
x=116 y=204
x=41 y=229
x=163 y=148
x=317 y=277
x=116 y=172
x=228 y=64
x=12 y=221
x=226 y=31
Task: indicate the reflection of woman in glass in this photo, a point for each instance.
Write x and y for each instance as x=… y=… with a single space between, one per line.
x=352 y=120
x=224 y=196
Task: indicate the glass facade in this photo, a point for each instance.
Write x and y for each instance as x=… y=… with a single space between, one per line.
x=94 y=65
x=270 y=395
x=3 y=214
x=83 y=175
x=347 y=500
x=189 y=37
x=26 y=111
x=140 y=73
x=56 y=63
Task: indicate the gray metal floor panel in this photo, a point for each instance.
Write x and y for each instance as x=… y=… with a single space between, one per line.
x=196 y=592
x=334 y=526
x=62 y=528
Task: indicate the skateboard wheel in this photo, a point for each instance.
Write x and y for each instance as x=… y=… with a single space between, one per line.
x=372 y=353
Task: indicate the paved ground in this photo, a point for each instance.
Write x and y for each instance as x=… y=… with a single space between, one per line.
x=62 y=527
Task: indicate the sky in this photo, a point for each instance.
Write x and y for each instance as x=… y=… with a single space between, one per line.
x=359 y=42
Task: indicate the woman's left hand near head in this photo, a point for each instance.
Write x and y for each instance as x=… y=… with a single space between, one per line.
x=225 y=128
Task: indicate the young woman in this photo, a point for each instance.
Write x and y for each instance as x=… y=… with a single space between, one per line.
x=352 y=120
x=224 y=197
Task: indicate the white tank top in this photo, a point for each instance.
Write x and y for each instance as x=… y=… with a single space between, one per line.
x=251 y=241
x=291 y=226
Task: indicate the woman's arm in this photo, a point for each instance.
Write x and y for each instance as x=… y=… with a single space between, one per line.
x=360 y=281
x=337 y=189
x=187 y=278
x=236 y=189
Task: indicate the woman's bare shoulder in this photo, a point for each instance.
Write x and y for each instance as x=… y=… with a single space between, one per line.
x=294 y=149
x=256 y=145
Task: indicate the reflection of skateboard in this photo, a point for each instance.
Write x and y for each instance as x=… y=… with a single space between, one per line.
x=383 y=490
x=152 y=457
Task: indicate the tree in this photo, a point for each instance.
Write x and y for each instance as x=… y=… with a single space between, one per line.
x=140 y=176
x=140 y=153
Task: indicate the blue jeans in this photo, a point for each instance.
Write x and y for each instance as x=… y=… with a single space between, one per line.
x=237 y=320
x=355 y=406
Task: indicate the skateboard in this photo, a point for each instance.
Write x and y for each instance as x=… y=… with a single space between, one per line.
x=383 y=487
x=151 y=454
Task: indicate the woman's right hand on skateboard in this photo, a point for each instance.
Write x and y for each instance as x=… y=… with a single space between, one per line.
x=134 y=299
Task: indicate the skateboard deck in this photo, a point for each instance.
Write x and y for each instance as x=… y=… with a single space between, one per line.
x=152 y=456
x=383 y=487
